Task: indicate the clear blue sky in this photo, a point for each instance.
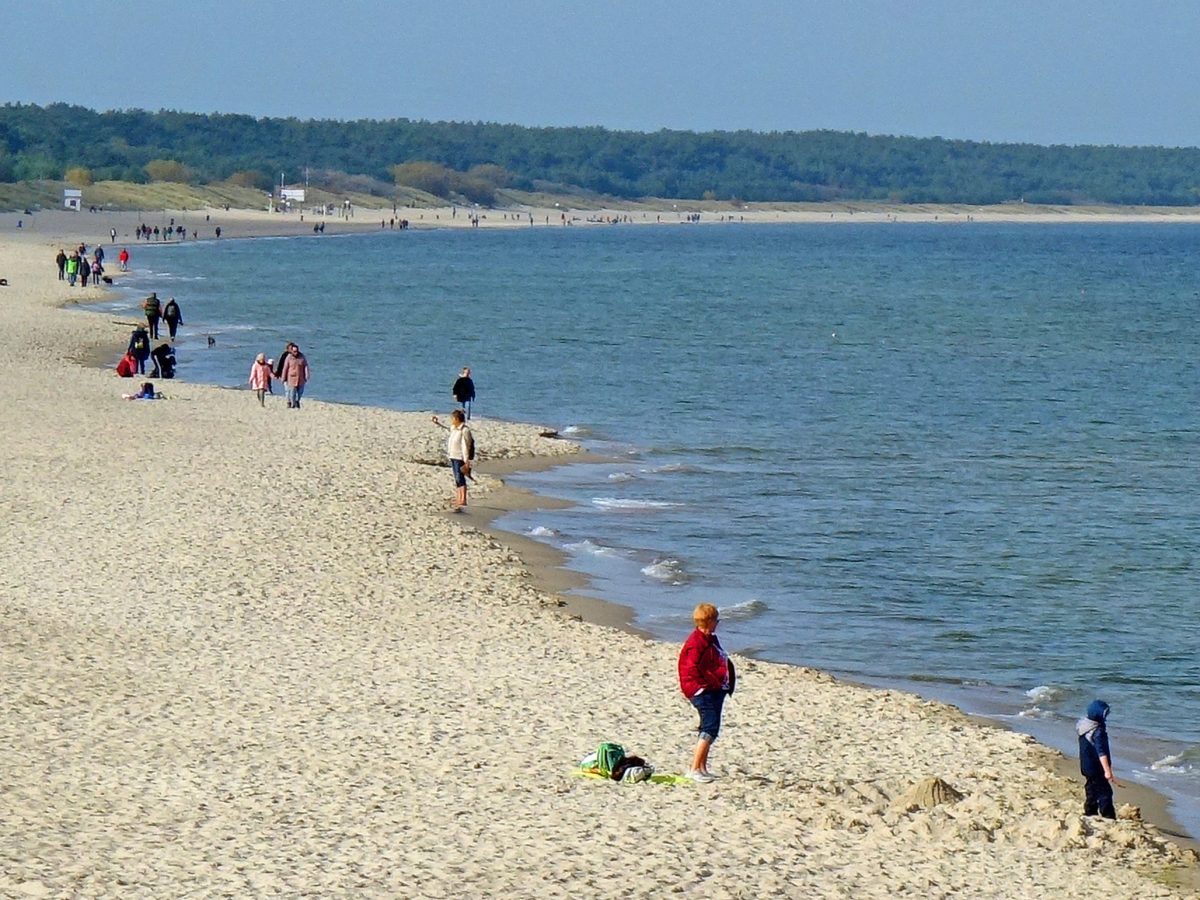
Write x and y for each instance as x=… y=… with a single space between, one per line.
x=1042 y=71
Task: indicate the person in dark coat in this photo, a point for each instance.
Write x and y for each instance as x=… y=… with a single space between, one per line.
x=1095 y=761
x=172 y=316
x=139 y=346
x=164 y=361
x=464 y=391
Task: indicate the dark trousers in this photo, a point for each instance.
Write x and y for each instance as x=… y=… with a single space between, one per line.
x=152 y=321
x=1098 y=798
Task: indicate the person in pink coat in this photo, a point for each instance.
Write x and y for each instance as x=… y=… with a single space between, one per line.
x=260 y=378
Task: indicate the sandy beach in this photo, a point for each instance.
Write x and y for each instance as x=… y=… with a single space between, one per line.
x=249 y=652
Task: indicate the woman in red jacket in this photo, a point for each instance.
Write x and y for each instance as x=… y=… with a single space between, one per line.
x=706 y=675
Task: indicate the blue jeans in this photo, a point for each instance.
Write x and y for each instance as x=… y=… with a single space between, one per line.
x=293 y=396
x=709 y=706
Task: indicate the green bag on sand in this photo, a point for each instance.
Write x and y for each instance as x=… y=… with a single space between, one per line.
x=608 y=755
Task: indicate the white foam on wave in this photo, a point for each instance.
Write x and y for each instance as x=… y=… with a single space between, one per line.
x=621 y=476
x=540 y=531
x=1043 y=693
x=669 y=570
x=747 y=609
x=620 y=503
x=1173 y=764
x=574 y=429
x=1034 y=712
x=591 y=547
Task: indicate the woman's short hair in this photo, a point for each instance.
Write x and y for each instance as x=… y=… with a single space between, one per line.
x=704 y=613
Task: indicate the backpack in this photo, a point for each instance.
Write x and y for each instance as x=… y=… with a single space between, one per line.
x=608 y=757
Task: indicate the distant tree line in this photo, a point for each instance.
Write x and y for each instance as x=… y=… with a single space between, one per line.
x=473 y=160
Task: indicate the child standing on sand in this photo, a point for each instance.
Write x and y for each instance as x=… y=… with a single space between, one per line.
x=260 y=378
x=706 y=676
x=1095 y=761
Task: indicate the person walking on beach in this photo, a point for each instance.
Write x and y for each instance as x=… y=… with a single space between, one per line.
x=61 y=262
x=1095 y=761
x=706 y=677
x=153 y=311
x=123 y=259
x=464 y=391
x=295 y=375
x=72 y=268
x=112 y=233
x=172 y=316
x=260 y=378
x=460 y=449
x=277 y=370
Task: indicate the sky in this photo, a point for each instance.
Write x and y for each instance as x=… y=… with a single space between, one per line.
x=1046 y=72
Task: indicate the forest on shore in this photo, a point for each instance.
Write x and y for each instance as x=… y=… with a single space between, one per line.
x=472 y=160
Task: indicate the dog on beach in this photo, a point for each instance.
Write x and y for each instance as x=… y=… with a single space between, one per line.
x=106 y=279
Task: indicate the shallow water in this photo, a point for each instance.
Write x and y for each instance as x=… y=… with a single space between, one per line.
x=954 y=458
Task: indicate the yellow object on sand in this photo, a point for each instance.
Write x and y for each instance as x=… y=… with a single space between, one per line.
x=664 y=778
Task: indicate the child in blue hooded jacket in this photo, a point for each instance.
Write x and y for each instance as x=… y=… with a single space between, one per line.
x=1095 y=761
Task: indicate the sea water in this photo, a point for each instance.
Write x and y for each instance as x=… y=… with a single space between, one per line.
x=957 y=458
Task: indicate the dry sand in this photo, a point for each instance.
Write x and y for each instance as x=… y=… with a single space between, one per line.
x=247 y=652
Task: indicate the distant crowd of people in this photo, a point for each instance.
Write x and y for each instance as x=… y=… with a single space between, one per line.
x=76 y=268
x=171 y=232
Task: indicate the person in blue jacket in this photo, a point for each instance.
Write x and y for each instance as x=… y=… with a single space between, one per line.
x=1095 y=761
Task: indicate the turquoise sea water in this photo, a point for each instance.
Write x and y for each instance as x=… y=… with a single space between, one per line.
x=956 y=458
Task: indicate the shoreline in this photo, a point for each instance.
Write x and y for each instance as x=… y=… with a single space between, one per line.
x=550 y=573
x=842 y=799
x=249 y=223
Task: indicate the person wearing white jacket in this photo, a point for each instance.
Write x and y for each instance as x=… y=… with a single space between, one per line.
x=460 y=448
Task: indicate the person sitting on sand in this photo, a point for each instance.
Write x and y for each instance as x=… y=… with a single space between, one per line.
x=1095 y=761
x=706 y=676
x=127 y=367
x=146 y=392
x=260 y=378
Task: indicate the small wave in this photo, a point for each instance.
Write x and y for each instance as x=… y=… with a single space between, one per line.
x=540 y=531
x=576 y=429
x=586 y=546
x=668 y=570
x=618 y=503
x=621 y=476
x=1043 y=693
x=676 y=468
x=747 y=609
x=1035 y=712
x=1175 y=764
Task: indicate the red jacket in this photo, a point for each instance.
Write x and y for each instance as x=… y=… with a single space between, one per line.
x=703 y=665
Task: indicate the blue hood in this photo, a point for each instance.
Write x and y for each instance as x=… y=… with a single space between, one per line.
x=1097 y=711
